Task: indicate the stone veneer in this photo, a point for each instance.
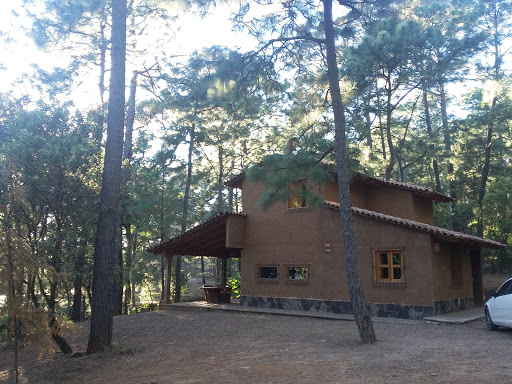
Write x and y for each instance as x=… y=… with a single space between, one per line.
x=414 y=312
x=454 y=305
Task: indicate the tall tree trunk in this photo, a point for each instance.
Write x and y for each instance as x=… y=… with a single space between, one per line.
x=184 y=215
x=230 y=199
x=117 y=298
x=31 y=288
x=134 y=254
x=391 y=146
x=12 y=305
x=107 y=246
x=119 y=279
x=381 y=127
x=129 y=266
x=76 y=312
x=163 y=263
x=446 y=134
x=428 y=123
x=485 y=169
x=76 y=309
x=220 y=184
x=368 y=125
x=100 y=121
x=497 y=76
x=361 y=313
x=220 y=204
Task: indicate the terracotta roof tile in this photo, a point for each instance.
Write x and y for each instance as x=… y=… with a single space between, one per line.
x=235 y=181
x=192 y=231
x=427 y=192
x=424 y=191
x=437 y=232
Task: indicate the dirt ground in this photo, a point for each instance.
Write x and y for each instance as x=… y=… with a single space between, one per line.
x=190 y=346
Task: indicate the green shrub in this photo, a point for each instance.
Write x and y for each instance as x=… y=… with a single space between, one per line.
x=234 y=282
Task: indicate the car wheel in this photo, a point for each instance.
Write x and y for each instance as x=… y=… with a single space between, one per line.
x=488 y=321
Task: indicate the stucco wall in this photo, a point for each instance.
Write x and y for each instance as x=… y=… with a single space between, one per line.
x=281 y=236
x=423 y=210
x=442 y=272
x=372 y=235
x=330 y=191
x=384 y=199
x=235 y=232
x=394 y=202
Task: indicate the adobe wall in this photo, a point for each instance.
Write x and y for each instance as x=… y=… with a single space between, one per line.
x=235 y=232
x=373 y=235
x=384 y=199
x=330 y=191
x=281 y=236
x=423 y=210
x=390 y=201
x=288 y=236
x=358 y=194
x=451 y=297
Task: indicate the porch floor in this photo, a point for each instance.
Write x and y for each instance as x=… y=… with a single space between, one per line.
x=450 y=318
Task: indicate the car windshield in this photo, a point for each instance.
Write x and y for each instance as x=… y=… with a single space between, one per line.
x=505 y=289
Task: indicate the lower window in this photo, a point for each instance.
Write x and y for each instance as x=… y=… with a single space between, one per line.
x=389 y=266
x=297 y=273
x=267 y=273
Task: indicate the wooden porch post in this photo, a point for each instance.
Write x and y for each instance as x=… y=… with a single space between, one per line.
x=167 y=293
x=223 y=280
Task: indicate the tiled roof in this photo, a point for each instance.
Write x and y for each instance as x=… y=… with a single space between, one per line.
x=424 y=191
x=437 y=232
x=427 y=192
x=235 y=180
x=192 y=232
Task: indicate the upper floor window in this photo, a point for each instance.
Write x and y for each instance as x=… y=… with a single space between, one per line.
x=297 y=193
x=389 y=266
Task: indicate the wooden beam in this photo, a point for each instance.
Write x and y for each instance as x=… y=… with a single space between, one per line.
x=167 y=291
x=223 y=278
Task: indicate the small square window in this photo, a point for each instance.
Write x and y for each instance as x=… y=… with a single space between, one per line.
x=267 y=273
x=297 y=273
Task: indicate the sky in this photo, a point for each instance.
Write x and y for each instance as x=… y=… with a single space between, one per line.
x=21 y=53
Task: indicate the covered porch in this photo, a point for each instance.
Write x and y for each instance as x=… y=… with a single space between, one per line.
x=221 y=236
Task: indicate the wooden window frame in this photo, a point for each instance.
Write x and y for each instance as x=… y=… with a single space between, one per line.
x=260 y=279
x=297 y=281
x=379 y=266
x=297 y=194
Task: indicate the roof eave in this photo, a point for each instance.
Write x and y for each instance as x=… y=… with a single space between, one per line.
x=435 y=232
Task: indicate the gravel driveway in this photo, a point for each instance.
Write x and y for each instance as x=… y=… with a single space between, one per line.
x=184 y=346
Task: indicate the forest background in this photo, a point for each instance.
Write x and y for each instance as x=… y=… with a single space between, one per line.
x=426 y=89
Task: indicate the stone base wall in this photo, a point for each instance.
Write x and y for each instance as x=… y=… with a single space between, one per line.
x=413 y=312
x=454 y=305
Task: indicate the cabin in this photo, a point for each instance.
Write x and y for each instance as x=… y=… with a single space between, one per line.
x=292 y=254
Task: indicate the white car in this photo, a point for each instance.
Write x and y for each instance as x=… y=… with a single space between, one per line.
x=498 y=309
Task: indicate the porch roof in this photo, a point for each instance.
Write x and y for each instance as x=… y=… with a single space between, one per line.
x=436 y=232
x=205 y=239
